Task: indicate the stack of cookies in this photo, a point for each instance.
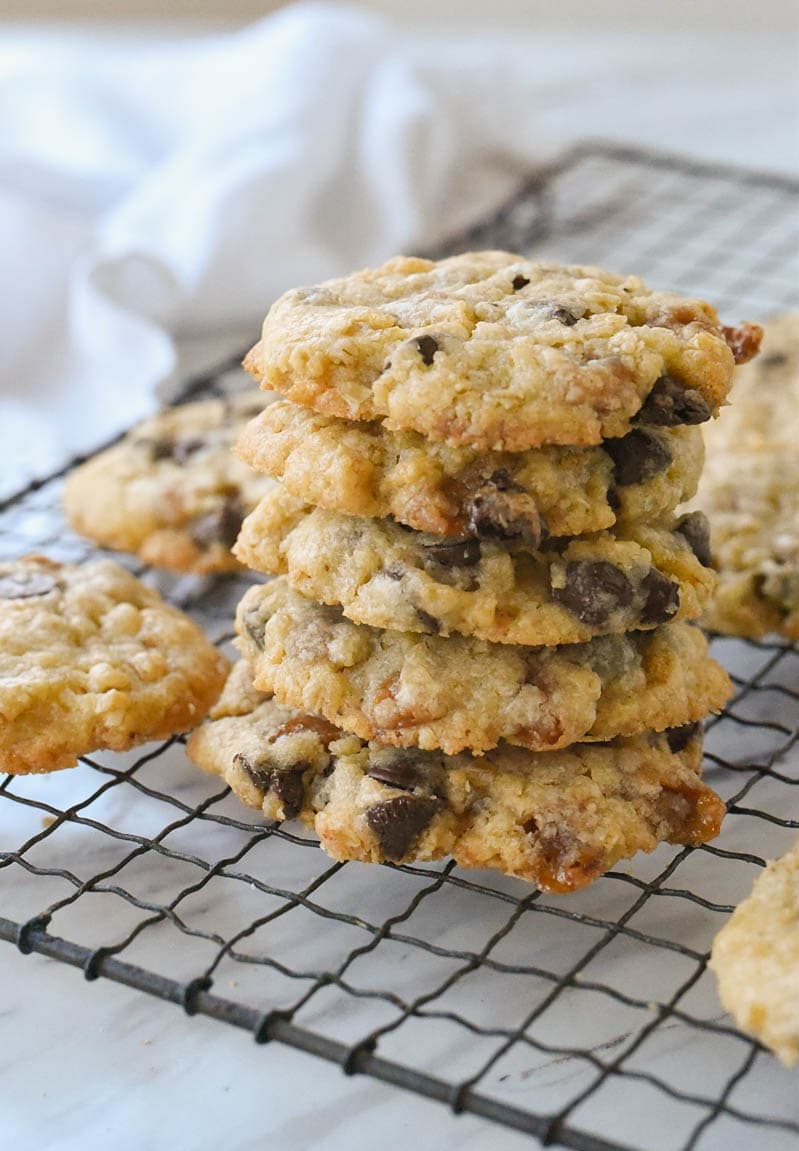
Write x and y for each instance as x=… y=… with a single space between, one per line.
x=480 y=643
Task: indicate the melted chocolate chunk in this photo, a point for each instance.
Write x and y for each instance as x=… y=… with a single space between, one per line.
x=502 y=509
x=696 y=530
x=427 y=347
x=678 y=738
x=178 y=450
x=637 y=457
x=564 y=316
x=397 y=823
x=455 y=553
x=403 y=773
x=594 y=590
x=287 y=785
x=519 y=282
x=662 y=598
x=429 y=622
x=670 y=403
x=255 y=628
x=773 y=360
x=220 y=526
x=26 y=585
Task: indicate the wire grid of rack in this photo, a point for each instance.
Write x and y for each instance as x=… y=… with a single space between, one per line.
x=589 y=1021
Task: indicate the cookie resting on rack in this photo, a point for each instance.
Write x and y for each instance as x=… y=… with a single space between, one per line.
x=363 y=469
x=558 y=820
x=495 y=351
x=90 y=658
x=459 y=693
x=755 y=958
x=171 y=491
x=750 y=491
x=540 y=591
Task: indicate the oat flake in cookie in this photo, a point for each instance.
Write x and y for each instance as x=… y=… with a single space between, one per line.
x=364 y=469
x=460 y=693
x=171 y=491
x=90 y=658
x=558 y=820
x=497 y=352
x=518 y=591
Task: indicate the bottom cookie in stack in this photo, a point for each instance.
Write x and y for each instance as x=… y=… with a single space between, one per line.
x=558 y=819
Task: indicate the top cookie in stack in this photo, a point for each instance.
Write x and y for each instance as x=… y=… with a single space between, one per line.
x=480 y=459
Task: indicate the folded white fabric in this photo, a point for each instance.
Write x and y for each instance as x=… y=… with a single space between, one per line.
x=149 y=194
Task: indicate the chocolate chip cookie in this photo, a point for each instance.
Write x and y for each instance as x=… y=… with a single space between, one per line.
x=412 y=690
x=750 y=491
x=557 y=820
x=531 y=591
x=364 y=469
x=756 y=959
x=500 y=353
x=171 y=491
x=91 y=658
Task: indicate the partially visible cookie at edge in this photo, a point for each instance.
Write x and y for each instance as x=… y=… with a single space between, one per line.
x=750 y=493
x=171 y=491
x=558 y=820
x=499 y=352
x=91 y=658
x=755 y=958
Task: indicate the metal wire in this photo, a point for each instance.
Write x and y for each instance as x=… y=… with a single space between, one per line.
x=589 y=1021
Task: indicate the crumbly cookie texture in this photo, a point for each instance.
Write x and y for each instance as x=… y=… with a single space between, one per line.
x=91 y=658
x=459 y=693
x=756 y=959
x=364 y=469
x=499 y=352
x=537 y=591
x=557 y=820
x=750 y=491
x=171 y=491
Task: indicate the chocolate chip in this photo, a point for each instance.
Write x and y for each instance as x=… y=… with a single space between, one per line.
x=26 y=585
x=501 y=509
x=429 y=622
x=456 y=553
x=427 y=347
x=671 y=403
x=564 y=316
x=397 y=823
x=255 y=628
x=220 y=526
x=402 y=773
x=519 y=282
x=662 y=598
x=287 y=785
x=678 y=738
x=773 y=360
x=637 y=457
x=696 y=530
x=594 y=590
x=300 y=724
x=178 y=450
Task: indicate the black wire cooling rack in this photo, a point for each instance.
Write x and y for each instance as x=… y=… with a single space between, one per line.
x=589 y=1021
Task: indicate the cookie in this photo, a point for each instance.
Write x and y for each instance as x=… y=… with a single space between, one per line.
x=551 y=591
x=411 y=690
x=755 y=958
x=363 y=469
x=557 y=820
x=501 y=353
x=171 y=491
x=750 y=491
x=91 y=658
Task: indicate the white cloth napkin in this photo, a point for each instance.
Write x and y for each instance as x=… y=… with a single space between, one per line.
x=150 y=195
